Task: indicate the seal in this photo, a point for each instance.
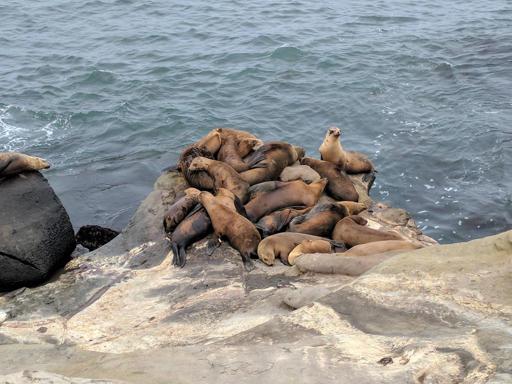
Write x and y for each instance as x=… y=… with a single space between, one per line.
x=12 y=163
x=210 y=143
x=93 y=236
x=277 y=156
x=309 y=246
x=296 y=172
x=320 y=221
x=352 y=231
x=340 y=186
x=293 y=193
x=223 y=176
x=384 y=246
x=179 y=210
x=227 y=223
x=353 y=207
x=332 y=151
x=193 y=228
x=245 y=141
x=278 y=220
x=281 y=244
x=229 y=154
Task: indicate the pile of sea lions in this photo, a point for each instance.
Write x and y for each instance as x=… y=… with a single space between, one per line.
x=269 y=200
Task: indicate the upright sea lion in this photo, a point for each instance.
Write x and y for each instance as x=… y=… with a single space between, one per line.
x=179 y=210
x=191 y=229
x=224 y=176
x=281 y=244
x=240 y=232
x=340 y=186
x=293 y=193
x=378 y=247
x=352 y=231
x=12 y=163
x=229 y=154
x=310 y=246
x=320 y=221
x=332 y=151
x=278 y=220
x=278 y=155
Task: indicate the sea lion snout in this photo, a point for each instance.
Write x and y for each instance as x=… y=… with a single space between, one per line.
x=334 y=131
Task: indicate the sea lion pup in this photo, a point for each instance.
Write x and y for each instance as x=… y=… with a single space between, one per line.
x=381 y=247
x=179 y=210
x=278 y=220
x=281 y=244
x=332 y=151
x=320 y=221
x=12 y=163
x=352 y=231
x=278 y=155
x=240 y=232
x=93 y=236
x=193 y=228
x=310 y=246
x=340 y=186
x=293 y=193
x=229 y=154
x=223 y=176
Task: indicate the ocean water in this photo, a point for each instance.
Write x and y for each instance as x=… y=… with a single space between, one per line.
x=110 y=91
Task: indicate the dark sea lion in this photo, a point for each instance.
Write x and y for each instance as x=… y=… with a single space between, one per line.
x=281 y=244
x=229 y=154
x=332 y=151
x=278 y=155
x=223 y=175
x=12 y=163
x=320 y=221
x=278 y=220
x=93 y=236
x=291 y=194
x=178 y=211
x=378 y=247
x=340 y=186
x=310 y=246
x=352 y=231
x=240 y=232
x=193 y=228
x=198 y=179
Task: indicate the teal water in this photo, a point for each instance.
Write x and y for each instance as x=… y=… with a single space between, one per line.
x=110 y=91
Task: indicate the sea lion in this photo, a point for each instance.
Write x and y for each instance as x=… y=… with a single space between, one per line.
x=340 y=186
x=295 y=172
x=240 y=232
x=193 y=228
x=12 y=163
x=245 y=141
x=281 y=244
x=293 y=193
x=310 y=246
x=229 y=154
x=278 y=220
x=93 y=236
x=179 y=210
x=223 y=176
x=384 y=246
x=353 y=207
x=198 y=179
x=352 y=231
x=265 y=186
x=278 y=155
x=210 y=143
x=320 y=221
x=332 y=151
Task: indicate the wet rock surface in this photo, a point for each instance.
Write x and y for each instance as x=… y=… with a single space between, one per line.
x=122 y=313
x=36 y=235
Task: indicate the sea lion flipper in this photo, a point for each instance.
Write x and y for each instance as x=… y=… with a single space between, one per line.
x=212 y=245
x=253 y=162
x=240 y=207
x=338 y=246
x=172 y=168
x=248 y=264
x=194 y=210
x=4 y=164
x=176 y=251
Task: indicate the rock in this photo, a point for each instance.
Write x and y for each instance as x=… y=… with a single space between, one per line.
x=93 y=236
x=36 y=235
x=297 y=298
x=296 y=172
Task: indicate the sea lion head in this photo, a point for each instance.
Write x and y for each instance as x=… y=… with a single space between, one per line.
x=301 y=152
x=266 y=255
x=193 y=193
x=199 y=164
x=41 y=163
x=306 y=161
x=334 y=132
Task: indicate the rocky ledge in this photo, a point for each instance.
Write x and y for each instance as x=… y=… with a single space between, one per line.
x=122 y=313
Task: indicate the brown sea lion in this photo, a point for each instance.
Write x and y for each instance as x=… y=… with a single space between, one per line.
x=320 y=221
x=293 y=193
x=352 y=231
x=12 y=163
x=278 y=220
x=381 y=247
x=240 y=232
x=278 y=155
x=332 y=151
x=223 y=176
x=179 y=210
x=193 y=228
x=340 y=186
x=198 y=179
x=310 y=246
x=210 y=143
x=229 y=154
x=353 y=207
x=296 y=172
x=281 y=244
x=245 y=141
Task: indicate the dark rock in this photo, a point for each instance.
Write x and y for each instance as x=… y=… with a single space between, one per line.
x=36 y=235
x=93 y=236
